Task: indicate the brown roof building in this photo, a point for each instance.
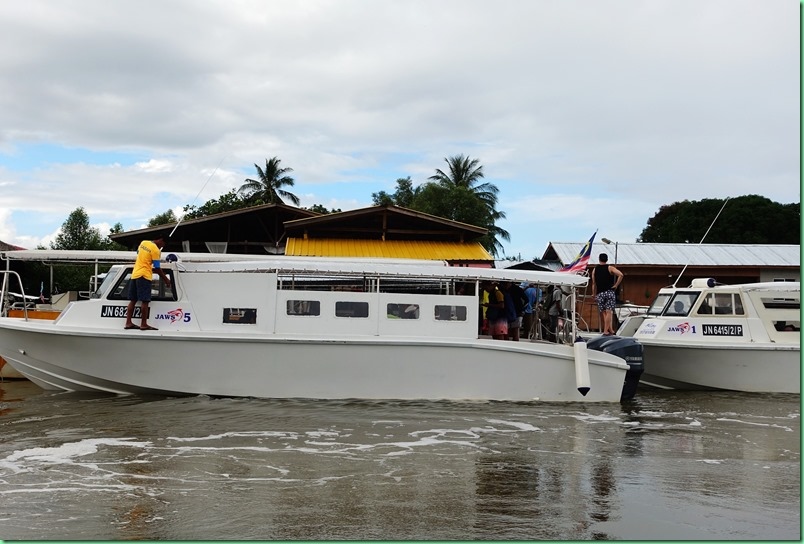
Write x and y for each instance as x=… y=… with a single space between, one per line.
x=377 y=231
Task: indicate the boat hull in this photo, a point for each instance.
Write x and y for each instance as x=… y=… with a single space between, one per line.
x=8 y=372
x=171 y=363
x=767 y=369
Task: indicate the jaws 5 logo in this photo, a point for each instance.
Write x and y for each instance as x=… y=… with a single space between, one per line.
x=682 y=328
x=173 y=316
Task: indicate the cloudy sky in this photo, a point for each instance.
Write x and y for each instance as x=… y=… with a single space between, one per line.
x=587 y=114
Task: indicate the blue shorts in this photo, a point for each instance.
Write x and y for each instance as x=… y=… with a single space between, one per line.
x=139 y=289
x=606 y=300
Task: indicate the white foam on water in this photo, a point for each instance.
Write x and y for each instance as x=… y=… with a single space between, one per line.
x=471 y=433
x=600 y=417
x=518 y=425
x=771 y=425
x=321 y=434
x=36 y=419
x=240 y=434
x=65 y=453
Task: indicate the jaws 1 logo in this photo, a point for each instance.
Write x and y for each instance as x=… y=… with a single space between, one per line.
x=173 y=316
x=682 y=328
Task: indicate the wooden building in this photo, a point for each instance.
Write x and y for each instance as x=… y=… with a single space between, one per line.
x=377 y=231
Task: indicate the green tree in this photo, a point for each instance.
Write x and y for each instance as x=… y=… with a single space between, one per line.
x=750 y=219
x=269 y=187
x=318 y=208
x=467 y=173
x=163 y=219
x=461 y=195
x=77 y=234
x=227 y=202
x=403 y=196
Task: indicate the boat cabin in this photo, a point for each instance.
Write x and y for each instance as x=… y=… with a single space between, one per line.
x=776 y=304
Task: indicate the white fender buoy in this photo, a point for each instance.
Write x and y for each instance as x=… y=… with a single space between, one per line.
x=582 y=368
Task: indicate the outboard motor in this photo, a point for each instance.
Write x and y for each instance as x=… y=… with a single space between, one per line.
x=626 y=348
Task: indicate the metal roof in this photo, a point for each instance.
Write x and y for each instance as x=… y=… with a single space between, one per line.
x=625 y=253
x=383 y=222
x=388 y=249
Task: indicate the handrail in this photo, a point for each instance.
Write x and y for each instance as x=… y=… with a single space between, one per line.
x=6 y=291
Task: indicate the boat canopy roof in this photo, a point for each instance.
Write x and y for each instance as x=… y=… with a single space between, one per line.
x=90 y=256
x=225 y=262
x=702 y=283
x=374 y=267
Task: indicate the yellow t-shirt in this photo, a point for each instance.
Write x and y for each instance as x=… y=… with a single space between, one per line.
x=148 y=256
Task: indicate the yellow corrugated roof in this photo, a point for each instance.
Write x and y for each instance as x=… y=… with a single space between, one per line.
x=389 y=249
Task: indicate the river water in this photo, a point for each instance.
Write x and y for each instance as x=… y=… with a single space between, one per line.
x=666 y=466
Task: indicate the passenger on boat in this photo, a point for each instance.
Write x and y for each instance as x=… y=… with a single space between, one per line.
x=533 y=295
x=555 y=310
x=495 y=311
x=139 y=288
x=515 y=301
x=605 y=279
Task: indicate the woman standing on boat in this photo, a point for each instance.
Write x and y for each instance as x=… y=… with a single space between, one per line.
x=605 y=279
x=495 y=311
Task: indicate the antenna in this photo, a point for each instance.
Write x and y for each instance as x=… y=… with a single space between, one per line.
x=196 y=196
x=702 y=239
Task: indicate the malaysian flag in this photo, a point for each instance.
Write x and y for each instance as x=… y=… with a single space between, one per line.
x=579 y=264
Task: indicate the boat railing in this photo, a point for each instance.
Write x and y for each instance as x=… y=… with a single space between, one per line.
x=5 y=293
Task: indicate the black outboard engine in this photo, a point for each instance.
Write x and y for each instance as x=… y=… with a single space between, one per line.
x=626 y=348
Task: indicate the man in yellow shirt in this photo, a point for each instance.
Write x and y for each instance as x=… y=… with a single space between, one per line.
x=139 y=288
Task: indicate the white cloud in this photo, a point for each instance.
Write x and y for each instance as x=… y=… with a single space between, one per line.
x=596 y=112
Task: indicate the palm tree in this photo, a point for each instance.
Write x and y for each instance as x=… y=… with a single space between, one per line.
x=463 y=185
x=466 y=173
x=268 y=188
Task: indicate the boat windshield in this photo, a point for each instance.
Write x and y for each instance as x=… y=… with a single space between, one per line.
x=658 y=304
x=681 y=303
x=108 y=279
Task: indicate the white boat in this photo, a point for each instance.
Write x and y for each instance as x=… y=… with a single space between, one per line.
x=305 y=328
x=710 y=336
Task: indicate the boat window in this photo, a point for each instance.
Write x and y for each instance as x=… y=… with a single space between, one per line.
x=781 y=303
x=351 y=309
x=707 y=306
x=658 y=304
x=681 y=303
x=158 y=289
x=787 y=326
x=450 y=313
x=367 y=284
x=240 y=316
x=304 y=307
x=724 y=304
x=402 y=311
